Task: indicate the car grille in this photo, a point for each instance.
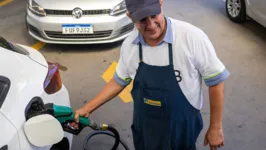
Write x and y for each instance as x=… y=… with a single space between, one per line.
x=69 y=12
x=97 y=34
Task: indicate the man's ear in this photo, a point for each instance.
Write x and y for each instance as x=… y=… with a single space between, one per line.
x=161 y=3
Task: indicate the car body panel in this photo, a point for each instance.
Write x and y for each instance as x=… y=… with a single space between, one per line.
x=35 y=55
x=27 y=74
x=257 y=10
x=9 y=135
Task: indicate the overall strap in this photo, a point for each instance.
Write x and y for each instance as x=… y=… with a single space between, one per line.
x=170 y=54
x=140 y=52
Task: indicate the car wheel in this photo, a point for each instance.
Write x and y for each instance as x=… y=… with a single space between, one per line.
x=236 y=10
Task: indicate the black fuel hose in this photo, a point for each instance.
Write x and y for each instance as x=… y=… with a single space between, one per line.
x=115 y=135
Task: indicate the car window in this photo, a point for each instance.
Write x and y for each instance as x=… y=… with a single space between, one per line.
x=4 y=87
x=13 y=47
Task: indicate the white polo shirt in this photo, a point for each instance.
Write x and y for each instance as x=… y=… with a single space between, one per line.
x=193 y=56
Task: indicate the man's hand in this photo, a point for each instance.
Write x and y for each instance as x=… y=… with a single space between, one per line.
x=82 y=112
x=214 y=137
x=110 y=90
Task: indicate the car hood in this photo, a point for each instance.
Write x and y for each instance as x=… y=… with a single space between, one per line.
x=83 y=4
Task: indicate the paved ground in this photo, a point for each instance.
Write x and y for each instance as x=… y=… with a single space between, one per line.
x=242 y=48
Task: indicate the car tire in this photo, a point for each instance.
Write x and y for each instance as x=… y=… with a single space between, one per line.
x=236 y=11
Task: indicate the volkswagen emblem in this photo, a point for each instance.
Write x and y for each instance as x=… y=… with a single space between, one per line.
x=77 y=13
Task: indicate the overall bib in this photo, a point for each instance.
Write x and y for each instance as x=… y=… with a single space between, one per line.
x=163 y=119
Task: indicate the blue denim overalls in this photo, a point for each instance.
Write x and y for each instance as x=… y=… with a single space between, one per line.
x=163 y=119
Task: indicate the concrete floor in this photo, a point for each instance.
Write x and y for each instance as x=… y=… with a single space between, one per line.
x=241 y=47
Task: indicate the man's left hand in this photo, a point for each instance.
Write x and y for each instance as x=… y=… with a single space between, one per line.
x=214 y=137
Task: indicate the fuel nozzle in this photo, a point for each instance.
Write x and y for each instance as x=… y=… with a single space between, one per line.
x=66 y=117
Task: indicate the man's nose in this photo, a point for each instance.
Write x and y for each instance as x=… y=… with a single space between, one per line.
x=150 y=22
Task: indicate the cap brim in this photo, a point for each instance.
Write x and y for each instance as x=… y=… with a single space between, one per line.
x=149 y=10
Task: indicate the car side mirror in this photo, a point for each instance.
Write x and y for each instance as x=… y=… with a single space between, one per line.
x=43 y=130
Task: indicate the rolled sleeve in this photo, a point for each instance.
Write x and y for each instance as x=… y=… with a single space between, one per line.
x=211 y=81
x=122 y=81
x=122 y=75
x=207 y=62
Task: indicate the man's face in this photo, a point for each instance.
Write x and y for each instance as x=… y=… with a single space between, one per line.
x=151 y=27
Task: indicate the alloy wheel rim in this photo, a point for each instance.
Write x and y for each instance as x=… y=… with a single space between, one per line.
x=234 y=7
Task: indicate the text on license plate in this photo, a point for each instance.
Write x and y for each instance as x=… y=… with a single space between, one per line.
x=77 y=29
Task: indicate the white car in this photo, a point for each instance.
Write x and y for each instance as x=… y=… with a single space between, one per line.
x=26 y=81
x=238 y=10
x=78 y=21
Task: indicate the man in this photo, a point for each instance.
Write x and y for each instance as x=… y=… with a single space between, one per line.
x=166 y=60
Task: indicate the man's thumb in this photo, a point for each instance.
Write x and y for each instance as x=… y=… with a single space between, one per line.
x=87 y=115
x=77 y=117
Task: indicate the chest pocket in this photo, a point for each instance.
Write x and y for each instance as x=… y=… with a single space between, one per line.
x=153 y=102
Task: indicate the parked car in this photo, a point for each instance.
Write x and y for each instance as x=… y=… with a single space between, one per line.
x=78 y=21
x=26 y=81
x=238 y=10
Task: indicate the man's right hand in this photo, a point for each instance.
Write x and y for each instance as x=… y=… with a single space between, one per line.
x=82 y=112
x=110 y=90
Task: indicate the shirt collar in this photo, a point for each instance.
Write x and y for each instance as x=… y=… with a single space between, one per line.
x=168 y=37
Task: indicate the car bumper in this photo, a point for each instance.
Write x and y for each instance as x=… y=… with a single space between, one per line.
x=107 y=29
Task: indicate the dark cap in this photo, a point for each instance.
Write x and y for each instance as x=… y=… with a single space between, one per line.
x=140 y=9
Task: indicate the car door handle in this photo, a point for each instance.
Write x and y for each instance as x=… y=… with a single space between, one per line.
x=4 y=148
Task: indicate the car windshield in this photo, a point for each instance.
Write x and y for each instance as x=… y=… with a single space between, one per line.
x=13 y=47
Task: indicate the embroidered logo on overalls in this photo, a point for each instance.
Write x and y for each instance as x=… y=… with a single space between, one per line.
x=152 y=102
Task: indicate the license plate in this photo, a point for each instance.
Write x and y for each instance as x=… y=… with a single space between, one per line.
x=77 y=29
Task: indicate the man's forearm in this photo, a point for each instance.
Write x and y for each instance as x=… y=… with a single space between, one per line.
x=110 y=90
x=216 y=94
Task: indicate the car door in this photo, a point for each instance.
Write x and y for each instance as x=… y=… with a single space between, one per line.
x=258 y=8
x=8 y=135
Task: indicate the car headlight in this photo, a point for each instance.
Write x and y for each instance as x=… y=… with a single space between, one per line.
x=36 y=8
x=118 y=9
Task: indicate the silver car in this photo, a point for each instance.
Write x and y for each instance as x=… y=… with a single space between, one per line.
x=238 y=10
x=78 y=21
